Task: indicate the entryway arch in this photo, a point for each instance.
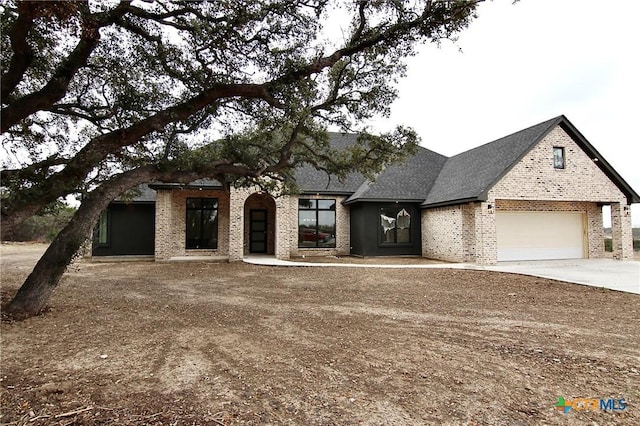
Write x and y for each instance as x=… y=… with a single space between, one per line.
x=260 y=224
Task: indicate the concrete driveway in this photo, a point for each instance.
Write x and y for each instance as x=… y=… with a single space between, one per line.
x=607 y=273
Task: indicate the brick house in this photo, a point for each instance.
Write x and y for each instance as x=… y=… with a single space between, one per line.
x=535 y=194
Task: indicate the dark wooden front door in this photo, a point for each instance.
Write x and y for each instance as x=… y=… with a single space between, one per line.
x=258 y=231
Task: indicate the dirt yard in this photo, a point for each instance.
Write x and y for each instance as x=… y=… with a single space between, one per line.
x=226 y=344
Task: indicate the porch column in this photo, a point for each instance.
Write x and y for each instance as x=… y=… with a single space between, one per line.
x=486 y=247
x=165 y=231
x=236 y=224
x=621 y=231
x=595 y=231
x=284 y=233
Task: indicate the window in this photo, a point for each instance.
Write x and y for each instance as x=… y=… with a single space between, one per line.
x=103 y=229
x=395 y=223
x=202 y=223
x=558 y=157
x=316 y=223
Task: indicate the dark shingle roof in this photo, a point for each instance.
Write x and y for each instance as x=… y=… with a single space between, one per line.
x=147 y=191
x=311 y=180
x=429 y=177
x=142 y=194
x=410 y=180
x=197 y=184
x=470 y=175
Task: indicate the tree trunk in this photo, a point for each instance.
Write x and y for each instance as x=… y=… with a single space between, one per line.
x=32 y=297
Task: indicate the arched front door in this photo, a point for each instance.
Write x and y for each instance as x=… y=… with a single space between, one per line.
x=260 y=220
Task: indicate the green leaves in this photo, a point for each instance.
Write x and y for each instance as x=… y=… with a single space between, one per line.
x=234 y=88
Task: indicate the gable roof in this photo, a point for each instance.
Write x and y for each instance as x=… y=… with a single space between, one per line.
x=430 y=178
x=410 y=180
x=470 y=175
x=598 y=159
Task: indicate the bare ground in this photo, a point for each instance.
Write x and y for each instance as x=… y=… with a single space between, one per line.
x=196 y=343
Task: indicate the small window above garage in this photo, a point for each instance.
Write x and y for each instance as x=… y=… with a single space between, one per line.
x=558 y=157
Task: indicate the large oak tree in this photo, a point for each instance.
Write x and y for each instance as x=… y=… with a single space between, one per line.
x=98 y=97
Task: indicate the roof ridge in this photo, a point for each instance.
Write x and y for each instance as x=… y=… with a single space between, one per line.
x=489 y=167
x=551 y=122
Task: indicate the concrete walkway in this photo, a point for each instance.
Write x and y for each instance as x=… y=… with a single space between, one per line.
x=607 y=273
x=272 y=261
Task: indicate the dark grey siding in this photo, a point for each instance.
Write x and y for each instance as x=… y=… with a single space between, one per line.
x=131 y=230
x=366 y=231
x=357 y=229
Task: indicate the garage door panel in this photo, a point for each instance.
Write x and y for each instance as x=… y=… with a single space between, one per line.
x=549 y=253
x=539 y=235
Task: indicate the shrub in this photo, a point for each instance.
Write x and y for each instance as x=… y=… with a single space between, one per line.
x=43 y=227
x=608 y=245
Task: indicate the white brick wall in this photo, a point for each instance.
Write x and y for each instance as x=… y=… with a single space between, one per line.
x=233 y=233
x=237 y=199
x=171 y=208
x=534 y=177
x=444 y=233
x=463 y=233
x=467 y=232
x=581 y=182
x=343 y=242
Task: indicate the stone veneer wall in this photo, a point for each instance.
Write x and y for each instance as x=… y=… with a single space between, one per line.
x=581 y=182
x=467 y=232
x=443 y=233
x=171 y=208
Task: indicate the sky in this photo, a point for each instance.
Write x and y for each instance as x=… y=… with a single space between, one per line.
x=520 y=64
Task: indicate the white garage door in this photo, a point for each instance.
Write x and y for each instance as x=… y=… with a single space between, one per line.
x=540 y=235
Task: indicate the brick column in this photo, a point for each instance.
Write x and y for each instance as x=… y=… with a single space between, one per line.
x=236 y=224
x=486 y=246
x=164 y=228
x=283 y=226
x=621 y=231
x=595 y=231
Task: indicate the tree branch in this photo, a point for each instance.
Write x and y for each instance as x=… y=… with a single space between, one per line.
x=22 y=54
x=358 y=43
x=58 y=84
x=28 y=171
x=99 y=148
